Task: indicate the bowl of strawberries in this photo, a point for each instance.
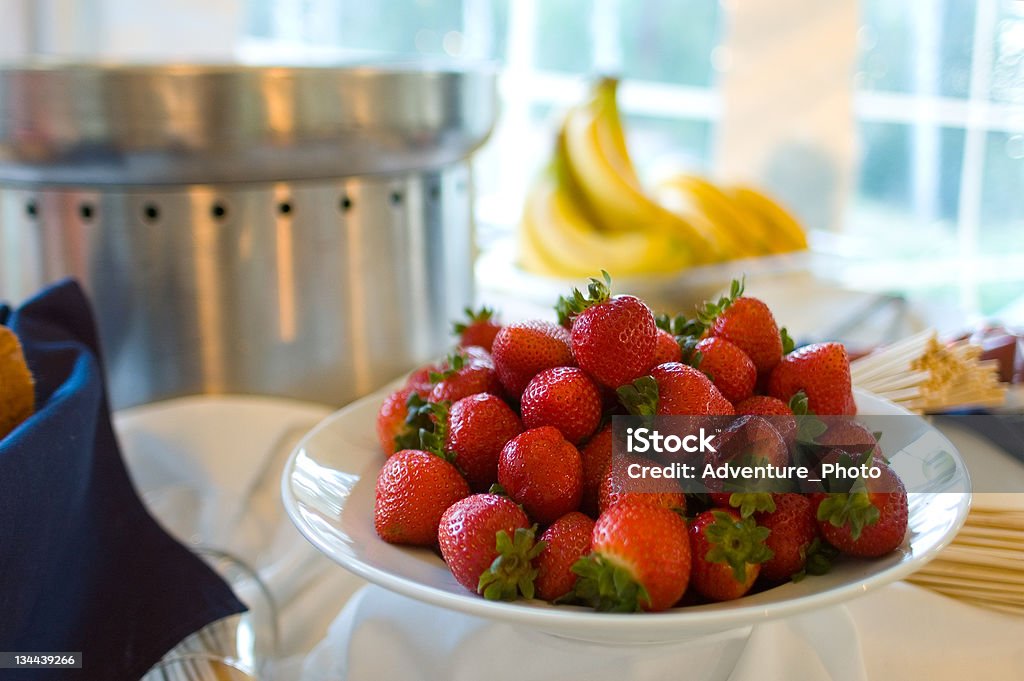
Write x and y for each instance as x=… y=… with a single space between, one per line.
x=492 y=482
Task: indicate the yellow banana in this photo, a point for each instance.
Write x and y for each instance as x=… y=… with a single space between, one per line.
x=607 y=182
x=557 y=239
x=741 y=234
x=785 y=232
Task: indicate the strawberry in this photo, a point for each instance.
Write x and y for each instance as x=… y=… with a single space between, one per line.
x=749 y=324
x=419 y=380
x=674 y=389
x=479 y=426
x=465 y=375
x=542 y=471
x=793 y=531
x=597 y=458
x=565 y=542
x=640 y=560
x=777 y=411
x=414 y=488
x=524 y=349
x=869 y=520
x=850 y=436
x=613 y=337
x=488 y=544
x=727 y=554
x=611 y=493
x=666 y=348
x=479 y=328
x=728 y=367
x=563 y=397
x=391 y=419
x=822 y=371
x=750 y=438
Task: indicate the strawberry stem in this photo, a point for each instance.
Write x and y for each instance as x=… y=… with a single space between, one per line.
x=512 y=573
x=736 y=542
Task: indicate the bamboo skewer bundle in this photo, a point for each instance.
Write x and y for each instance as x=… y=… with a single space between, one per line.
x=923 y=374
x=984 y=565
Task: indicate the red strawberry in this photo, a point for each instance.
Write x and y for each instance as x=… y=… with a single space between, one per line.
x=479 y=426
x=793 y=530
x=542 y=471
x=597 y=457
x=868 y=521
x=467 y=374
x=750 y=437
x=565 y=542
x=611 y=493
x=640 y=560
x=563 y=397
x=674 y=389
x=488 y=544
x=850 y=436
x=727 y=553
x=728 y=367
x=391 y=419
x=777 y=411
x=750 y=325
x=822 y=371
x=413 y=490
x=666 y=348
x=479 y=329
x=524 y=349
x=613 y=338
x=419 y=380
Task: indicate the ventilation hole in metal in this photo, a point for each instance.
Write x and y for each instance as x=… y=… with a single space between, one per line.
x=86 y=211
x=219 y=211
x=345 y=204
x=284 y=208
x=151 y=212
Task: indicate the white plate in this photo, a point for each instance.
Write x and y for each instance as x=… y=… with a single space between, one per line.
x=328 y=490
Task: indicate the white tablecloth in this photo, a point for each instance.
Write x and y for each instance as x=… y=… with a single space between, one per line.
x=210 y=469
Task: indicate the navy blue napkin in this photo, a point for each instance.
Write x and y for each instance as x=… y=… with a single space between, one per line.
x=83 y=566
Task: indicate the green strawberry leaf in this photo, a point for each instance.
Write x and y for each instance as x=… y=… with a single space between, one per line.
x=598 y=291
x=852 y=510
x=709 y=312
x=484 y=314
x=605 y=587
x=640 y=397
x=737 y=543
x=788 y=344
x=512 y=574
x=750 y=503
x=435 y=439
x=455 y=361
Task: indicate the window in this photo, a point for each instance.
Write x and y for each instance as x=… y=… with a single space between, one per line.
x=939 y=106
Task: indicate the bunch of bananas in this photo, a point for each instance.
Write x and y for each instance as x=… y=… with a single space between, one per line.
x=588 y=210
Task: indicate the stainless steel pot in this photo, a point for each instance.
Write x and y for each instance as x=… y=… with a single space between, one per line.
x=303 y=232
